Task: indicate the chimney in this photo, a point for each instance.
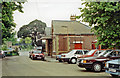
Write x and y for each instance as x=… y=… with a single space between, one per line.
x=73 y=17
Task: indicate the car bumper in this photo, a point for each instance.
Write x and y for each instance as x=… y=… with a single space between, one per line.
x=85 y=65
x=64 y=59
x=38 y=57
x=115 y=73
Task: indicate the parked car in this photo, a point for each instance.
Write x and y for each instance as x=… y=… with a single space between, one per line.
x=98 y=63
x=36 y=54
x=71 y=57
x=58 y=57
x=113 y=67
x=2 y=54
x=91 y=53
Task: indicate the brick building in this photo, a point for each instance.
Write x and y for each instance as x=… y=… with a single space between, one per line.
x=69 y=34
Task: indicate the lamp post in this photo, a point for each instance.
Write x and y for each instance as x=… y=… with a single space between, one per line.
x=67 y=36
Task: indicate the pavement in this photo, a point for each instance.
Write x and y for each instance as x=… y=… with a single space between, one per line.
x=50 y=59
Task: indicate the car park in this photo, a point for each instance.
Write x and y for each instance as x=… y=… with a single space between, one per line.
x=2 y=54
x=71 y=57
x=113 y=67
x=98 y=63
x=36 y=54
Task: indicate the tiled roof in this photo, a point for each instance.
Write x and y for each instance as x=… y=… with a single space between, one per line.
x=73 y=27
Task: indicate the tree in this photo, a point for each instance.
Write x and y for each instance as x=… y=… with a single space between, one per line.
x=28 y=40
x=8 y=24
x=105 y=17
x=34 y=29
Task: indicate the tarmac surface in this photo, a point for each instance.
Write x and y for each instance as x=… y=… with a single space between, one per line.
x=23 y=66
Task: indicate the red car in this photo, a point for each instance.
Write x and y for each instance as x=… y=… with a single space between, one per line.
x=91 y=53
x=98 y=63
x=36 y=54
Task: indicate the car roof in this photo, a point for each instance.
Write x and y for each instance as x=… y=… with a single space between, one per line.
x=79 y=49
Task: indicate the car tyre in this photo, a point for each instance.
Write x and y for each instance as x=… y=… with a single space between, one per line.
x=60 y=60
x=114 y=75
x=29 y=56
x=33 y=58
x=88 y=69
x=97 y=67
x=43 y=59
x=73 y=60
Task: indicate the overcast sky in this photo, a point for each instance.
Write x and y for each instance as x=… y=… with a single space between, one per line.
x=46 y=10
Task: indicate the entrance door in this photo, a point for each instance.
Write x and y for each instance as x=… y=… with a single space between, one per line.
x=78 y=45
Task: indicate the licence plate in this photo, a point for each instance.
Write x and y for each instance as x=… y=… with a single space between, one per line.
x=39 y=57
x=112 y=70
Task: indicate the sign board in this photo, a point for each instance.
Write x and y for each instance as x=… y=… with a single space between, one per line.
x=77 y=41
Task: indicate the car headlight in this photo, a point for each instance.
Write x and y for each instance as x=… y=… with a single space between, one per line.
x=83 y=61
x=106 y=65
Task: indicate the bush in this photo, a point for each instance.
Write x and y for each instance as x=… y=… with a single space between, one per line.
x=4 y=47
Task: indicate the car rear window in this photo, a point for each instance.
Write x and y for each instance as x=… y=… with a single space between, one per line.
x=37 y=52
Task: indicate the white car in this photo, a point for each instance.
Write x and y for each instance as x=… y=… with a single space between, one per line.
x=71 y=57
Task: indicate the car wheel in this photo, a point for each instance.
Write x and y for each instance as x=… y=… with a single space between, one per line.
x=43 y=59
x=88 y=69
x=60 y=60
x=97 y=67
x=114 y=75
x=33 y=58
x=29 y=56
x=73 y=60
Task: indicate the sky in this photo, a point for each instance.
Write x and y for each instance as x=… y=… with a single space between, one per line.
x=46 y=11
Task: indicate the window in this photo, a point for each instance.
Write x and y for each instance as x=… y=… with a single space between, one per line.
x=115 y=53
x=97 y=53
x=78 y=52
x=85 y=51
x=90 y=52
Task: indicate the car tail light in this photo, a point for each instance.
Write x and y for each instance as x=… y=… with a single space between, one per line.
x=33 y=55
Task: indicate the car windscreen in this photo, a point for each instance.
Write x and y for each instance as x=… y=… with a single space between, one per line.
x=71 y=51
x=37 y=52
x=104 y=53
x=90 y=52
